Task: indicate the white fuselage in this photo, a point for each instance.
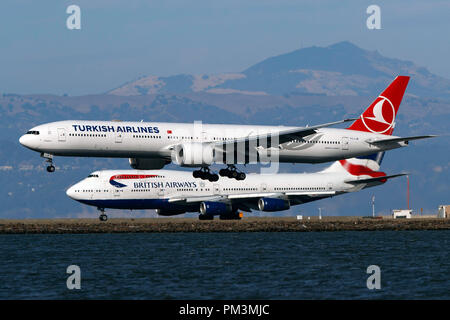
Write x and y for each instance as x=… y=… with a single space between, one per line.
x=156 y=140
x=178 y=190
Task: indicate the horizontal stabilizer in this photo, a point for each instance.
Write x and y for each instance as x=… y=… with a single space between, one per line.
x=397 y=140
x=375 y=179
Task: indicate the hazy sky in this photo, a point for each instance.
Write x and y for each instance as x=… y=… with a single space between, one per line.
x=121 y=40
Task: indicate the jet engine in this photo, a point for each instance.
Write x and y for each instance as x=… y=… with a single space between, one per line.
x=147 y=163
x=194 y=154
x=169 y=212
x=215 y=208
x=273 y=204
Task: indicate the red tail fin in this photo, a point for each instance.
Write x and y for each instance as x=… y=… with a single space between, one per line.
x=379 y=117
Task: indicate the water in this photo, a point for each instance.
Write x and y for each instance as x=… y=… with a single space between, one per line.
x=327 y=265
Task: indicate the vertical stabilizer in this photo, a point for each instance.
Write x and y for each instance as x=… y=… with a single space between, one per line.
x=379 y=117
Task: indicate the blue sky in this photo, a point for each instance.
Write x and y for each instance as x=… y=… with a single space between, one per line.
x=121 y=40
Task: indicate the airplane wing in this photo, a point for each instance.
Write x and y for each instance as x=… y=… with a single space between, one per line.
x=357 y=181
x=398 y=140
x=283 y=135
x=223 y=198
x=248 y=201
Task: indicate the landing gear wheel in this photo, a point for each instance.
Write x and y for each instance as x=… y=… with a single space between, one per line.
x=103 y=216
x=241 y=176
x=213 y=177
x=49 y=160
x=205 y=217
x=230 y=216
x=232 y=173
x=205 y=174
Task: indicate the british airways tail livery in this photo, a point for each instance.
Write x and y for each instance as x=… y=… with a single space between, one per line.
x=173 y=192
x=153 y=145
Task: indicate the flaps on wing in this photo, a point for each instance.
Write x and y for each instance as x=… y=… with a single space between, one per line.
x=254 y=195
x=311 y=194
x=399 y=140
x=196 y=199
x=282 y=135
x=251 y=196
x=368 y=180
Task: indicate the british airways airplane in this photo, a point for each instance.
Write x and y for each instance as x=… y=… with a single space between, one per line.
x=173 y=192
x=153 y=145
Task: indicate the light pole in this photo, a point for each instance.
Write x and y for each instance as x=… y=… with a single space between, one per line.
x=373 y=206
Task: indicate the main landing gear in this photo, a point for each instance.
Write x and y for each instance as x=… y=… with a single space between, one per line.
x=232 y=173
x=205 y=174
x=103 y=216
x=230 y=216
x=49 y=157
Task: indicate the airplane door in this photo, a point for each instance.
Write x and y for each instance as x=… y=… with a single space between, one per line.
x=61 y=134
x=216 y=189
x=119 y=137
x=161 y=193
x=344 y=143
x=330 y=186
x=263 y=187
x=116 y=192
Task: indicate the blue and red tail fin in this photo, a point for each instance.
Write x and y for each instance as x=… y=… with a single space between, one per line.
x=379 y=117
x=366 y=166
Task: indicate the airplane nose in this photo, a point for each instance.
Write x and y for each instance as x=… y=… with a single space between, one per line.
x=71 y=192
x=23 y=140
x=27 y=141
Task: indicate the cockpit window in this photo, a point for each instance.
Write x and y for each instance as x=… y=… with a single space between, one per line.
x=33 y=132
x=93 y=176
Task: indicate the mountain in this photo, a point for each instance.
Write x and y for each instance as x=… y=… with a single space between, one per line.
x=337 y=70
x=28 y=191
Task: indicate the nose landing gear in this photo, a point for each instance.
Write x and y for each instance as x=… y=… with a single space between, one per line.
x=103 y=216
x=49 y=157
x=205 y=174
x=232 y=173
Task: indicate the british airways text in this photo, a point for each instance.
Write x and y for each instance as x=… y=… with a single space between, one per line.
x=148 y=185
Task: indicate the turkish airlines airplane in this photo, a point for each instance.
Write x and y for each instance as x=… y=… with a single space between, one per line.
x=173 y=192
x=153 y=145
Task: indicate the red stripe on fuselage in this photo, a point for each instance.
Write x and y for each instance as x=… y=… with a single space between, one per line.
x=359 y=170
x=133 y=176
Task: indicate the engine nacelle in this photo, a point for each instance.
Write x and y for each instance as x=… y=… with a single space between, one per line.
x=215 y=208
x=169 y=212
x=273 y=204
x=194 y=154
x=147 y=163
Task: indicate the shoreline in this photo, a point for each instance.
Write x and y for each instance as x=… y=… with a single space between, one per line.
x=247 y=224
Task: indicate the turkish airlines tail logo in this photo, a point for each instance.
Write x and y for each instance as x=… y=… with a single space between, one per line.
x=379 y=117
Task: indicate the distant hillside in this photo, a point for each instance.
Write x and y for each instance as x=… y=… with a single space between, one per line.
x=336 y=70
